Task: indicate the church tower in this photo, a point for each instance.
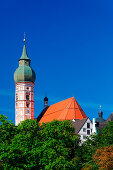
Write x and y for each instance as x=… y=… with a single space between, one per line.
x=24 y=77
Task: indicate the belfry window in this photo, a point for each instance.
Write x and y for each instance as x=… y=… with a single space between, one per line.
x=27 y=104
x=27 y=97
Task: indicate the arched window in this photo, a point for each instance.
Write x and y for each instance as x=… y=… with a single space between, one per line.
x=27 y=104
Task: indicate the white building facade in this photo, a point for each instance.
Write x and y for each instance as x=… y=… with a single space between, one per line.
x=86 y=130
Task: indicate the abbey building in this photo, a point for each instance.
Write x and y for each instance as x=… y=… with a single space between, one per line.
x=68 y=109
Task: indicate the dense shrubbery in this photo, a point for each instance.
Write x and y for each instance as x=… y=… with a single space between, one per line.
x=52 y=146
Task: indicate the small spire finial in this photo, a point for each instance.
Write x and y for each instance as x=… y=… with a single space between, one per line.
x=24 y=37
x=100 y=107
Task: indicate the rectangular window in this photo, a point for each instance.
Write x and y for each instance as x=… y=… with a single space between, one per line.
x=88 y=132
x=84 y=137
x=88 y=125
x=27 y=97
x=84 y=129
x=16 y=97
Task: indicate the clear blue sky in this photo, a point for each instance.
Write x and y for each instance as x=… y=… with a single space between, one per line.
x=70 y=44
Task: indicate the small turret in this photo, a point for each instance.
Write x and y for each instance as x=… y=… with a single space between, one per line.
x=100 y=119
x=100 y=113
x=45 y=102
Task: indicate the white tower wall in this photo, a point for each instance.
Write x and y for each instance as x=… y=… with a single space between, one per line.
x=24 y=101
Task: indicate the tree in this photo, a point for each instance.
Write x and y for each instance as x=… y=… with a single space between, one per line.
x=50 y=146
x=7 y=129
x=107 y=135
x=58 y=143
x=16 y=151
x=7 y=132
x=104 y=157
x=94 y=142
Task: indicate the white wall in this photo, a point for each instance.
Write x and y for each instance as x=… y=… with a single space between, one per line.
x=83 y=133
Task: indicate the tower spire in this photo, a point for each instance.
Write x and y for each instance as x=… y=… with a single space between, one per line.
x=24 y=52
x=100 y=107
x=100 y=112
x=24 y=38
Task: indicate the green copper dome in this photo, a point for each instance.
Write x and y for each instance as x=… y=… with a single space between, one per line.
x=24 y=72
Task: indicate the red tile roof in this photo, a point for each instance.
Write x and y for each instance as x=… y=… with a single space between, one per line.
x=67 y=109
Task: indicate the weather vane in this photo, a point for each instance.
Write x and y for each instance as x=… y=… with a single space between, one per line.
x=24 y=37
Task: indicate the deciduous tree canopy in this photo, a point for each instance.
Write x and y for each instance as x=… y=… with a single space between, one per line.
x=50 y=146
x=53 y=145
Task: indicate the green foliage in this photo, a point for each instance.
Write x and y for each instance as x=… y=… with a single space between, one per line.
x=94 y=142
x=30 y=146
x=50 y=146
x=107 y=135
x=57 y=144
x=7 y=129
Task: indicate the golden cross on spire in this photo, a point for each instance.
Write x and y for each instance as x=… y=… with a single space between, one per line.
x=24 y=37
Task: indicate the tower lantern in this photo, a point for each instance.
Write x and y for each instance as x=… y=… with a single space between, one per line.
x=24 y=77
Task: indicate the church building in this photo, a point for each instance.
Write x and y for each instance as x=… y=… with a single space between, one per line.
x=68 y=109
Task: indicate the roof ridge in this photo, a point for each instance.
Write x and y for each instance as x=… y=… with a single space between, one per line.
x=74 y=110
x=81 y=110
x=61 y=101
x=64 y=109
x=69 y=105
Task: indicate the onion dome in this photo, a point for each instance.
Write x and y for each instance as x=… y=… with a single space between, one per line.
x=24 y=72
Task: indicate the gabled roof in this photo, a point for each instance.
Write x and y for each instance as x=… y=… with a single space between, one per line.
x=78 y=124
x=67 y=109
x=110 y=118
